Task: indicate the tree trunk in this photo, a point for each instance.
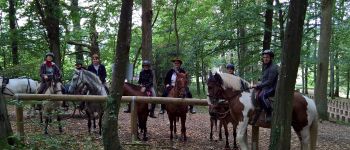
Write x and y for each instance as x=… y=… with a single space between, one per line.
x=94 y=35
x=336 y=91
x=75 y=13
x=302 y=78
x=197 y=69
x=176 y=30
x=147 y=30
x=242 y=52
x=306 y=79
x=315 y=43
x=348 y=84
x=5 y=126
x=323 y=58
x=268 y=24
x=110 y=119
x=49 y=13
x=204 y=75
x=281 y=21
x=13 y=32
x=282 y=115
x=331 y=83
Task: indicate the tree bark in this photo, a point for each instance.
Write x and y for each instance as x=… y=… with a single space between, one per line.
x=75 y=14
x=242 y=51
x=281 y=21
x=315 y=43
x=94 y=35
x=348 y=84
x=323 y=59
x=147 y=30
x=49 y=13
x=5 y=126
x=336 y=91
x=331 y=82
x=110 y=119
x=13 y=32
x=176 y=30
x=268 y=24
x=282 y=115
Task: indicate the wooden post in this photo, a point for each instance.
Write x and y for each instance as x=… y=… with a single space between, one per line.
x=255 y=137
x=133 y=120
x=19 y=122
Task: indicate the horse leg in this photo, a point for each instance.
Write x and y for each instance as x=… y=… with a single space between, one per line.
x=220 y=133
x=183 y=127
x=89 y=120
x=234 y=136
x=174 y=121
x=59 y=123
x=46 y=124
x=304 y=137
x=100 y=122
x=171 y=127
x=211 y=128
x=144 y=125
x=241 y=133
x=41 y=116
x=227 y=146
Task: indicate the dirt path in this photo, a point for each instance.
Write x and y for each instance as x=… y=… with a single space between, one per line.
x=331 y=136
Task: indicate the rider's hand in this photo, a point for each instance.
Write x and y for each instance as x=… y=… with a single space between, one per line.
x=254 y=86
x=143 y=89
x=46 y=77
x=167 y=85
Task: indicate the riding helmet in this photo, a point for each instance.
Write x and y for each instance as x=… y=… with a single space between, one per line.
x=268 y=52
x=230 y=66
x=146 y=63
x=49 y=54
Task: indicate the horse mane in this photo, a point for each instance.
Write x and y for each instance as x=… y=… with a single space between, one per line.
x=93 y=76
x=132 y=85
x=233 y=82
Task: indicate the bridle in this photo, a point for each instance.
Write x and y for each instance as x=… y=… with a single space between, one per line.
x=182 y=90
x=80 y=82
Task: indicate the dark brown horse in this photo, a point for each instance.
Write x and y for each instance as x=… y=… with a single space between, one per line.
x=176 y=111
x=141 y=108
x=220 y=110
x=242 y=109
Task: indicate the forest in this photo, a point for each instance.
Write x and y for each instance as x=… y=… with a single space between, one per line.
x=205 y=34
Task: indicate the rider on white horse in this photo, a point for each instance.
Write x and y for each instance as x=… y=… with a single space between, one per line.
x=268 y=83
x=49 y=71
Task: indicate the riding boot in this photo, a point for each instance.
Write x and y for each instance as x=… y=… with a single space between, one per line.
x=256 y=116
x=128 y=109
x=151 y=111
x=192 y=110
x=162 y=109
x=268 y=115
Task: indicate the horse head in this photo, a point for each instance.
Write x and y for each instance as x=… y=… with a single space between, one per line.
x=181 y=83
x=215 y=90
x=77 y=83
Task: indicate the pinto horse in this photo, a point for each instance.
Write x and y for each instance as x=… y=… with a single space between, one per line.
x=85 y=79
x=176 y=111
x=228 y=87
x=141 y=108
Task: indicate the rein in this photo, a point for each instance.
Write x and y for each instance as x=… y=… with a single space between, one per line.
x=223 y=115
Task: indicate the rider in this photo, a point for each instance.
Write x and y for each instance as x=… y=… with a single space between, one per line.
x=49 y=71
x=169 y=82
x=268 y=83
x=146 y=81
x=99 y=69
x=230 y=68
x=79 y=65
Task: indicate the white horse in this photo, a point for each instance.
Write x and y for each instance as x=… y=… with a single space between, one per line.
x=14 y=86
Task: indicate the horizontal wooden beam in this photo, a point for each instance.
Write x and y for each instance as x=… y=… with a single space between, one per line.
x=96 y=98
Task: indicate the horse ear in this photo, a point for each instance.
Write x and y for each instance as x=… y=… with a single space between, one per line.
x=210 y=74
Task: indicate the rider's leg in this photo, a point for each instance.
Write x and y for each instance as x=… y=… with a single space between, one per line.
x=189 y=95
x=153 y=106
x=165 y=94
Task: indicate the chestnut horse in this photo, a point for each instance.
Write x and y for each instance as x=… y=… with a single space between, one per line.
x=178 y=110
x=141 y=108
x=228 y=87
x=220 y=110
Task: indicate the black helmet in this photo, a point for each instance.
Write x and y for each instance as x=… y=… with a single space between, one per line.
x=50 y=54
x=269 y=52
x=146 y=63
x=230 y=66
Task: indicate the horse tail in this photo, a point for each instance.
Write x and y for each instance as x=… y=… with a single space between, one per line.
x=313 y=133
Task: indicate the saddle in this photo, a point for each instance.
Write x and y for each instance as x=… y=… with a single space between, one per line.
x=259 y=113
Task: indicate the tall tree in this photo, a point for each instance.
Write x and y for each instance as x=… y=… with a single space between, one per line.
x=5 y=126
x=323 y=59
x=176 y=29
x=268 y=24
x=49 y=12
x=75 y=14
x=282 y=115
x=110 y=119
x=13 y=31
x=147 y=30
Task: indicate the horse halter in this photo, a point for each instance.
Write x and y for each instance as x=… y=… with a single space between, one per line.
x=182 y=90
x=79 y=83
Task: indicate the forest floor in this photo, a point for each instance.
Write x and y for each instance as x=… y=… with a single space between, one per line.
x=330 y=136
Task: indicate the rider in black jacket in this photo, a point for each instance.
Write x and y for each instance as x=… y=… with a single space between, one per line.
x=268 y=83
x=169 y=82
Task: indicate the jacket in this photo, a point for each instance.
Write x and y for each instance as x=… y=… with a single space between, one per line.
x=170 y=73
x=146 y=78
x=269 y=77
x=101 y=72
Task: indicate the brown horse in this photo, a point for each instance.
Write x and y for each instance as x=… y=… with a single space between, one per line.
x=242 y=109
x=178 y=110
x=220 y=110
x=141 y=108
